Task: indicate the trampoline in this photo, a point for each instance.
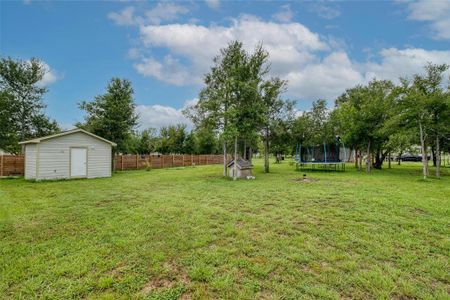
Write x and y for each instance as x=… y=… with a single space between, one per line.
x=325 y=157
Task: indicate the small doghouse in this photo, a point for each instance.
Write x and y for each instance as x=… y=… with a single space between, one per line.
x=244 y=168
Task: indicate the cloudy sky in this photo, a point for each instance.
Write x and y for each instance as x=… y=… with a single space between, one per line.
x=164 y=48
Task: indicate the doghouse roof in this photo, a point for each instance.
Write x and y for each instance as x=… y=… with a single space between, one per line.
x=241 y=164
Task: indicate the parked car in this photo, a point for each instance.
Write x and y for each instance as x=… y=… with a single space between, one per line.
x=410 y=157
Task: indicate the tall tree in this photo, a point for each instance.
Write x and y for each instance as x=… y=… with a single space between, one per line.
x=363 y=113
x=276 y=112
x=424 y=106
x=190 y=145
x=214 y=107
x=206 y=141
x=172 y=139
x=112 y=115
x=22 y=109
x=229 y=102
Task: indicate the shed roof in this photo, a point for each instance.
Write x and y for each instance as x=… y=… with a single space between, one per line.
x=241 y=164
x=76 y=130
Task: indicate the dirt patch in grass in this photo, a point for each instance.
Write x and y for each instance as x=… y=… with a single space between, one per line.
x=305 y=180
x=239 y=224
x=418 y=211
x=176 y=276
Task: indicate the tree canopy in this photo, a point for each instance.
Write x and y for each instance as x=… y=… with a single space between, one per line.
x=112 y=115
x=22 y=114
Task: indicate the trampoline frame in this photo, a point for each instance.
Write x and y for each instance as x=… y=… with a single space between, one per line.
x=320 y=165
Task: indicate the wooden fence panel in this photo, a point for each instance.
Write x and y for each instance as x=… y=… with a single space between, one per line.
x=178 y=161
x=12 y=165
x=156 y=161
x=132 y=162
x=168 y=161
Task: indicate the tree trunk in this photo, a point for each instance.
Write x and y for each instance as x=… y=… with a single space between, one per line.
x=356 y=159
x=250 y=154
x=399 y=158
x=424 y=152
x=245 y=150
x=438 y=158
x=266 y=152
x=235 y=158
x=225 y=159
x=433 y=155
x=360 y=160
x=368 y=160
x=379 y=159
x=278 y=158
x=113 y=158
x=389 y=159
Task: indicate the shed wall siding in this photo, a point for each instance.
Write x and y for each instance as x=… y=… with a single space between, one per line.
x=54 y=156
x=30 y=161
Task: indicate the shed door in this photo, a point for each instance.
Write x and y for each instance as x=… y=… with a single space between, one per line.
x=78 y=162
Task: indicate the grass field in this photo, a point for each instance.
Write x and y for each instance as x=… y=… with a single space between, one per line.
x=189 y=233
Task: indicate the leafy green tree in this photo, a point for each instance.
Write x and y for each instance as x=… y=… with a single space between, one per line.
x=424 y=106
x=190 y=145
x=172 y=139
x=230 y=101
x=22 y=113
x=143 y=142
x=277 y=117
x=215 y=106
x=400 y=141
x=8 y=125
x=148 y=141
x=207 y=142
x=112 y=115
x=363 y=113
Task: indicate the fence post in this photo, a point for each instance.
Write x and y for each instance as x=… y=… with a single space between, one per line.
x=183 y=160
x=136 y=161
x=173 y=158
x=1 y=166
x=207 y=159
x=192 y=159
x=121 y=162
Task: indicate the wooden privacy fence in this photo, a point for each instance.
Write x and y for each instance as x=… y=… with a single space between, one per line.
x=12 y=165
x=135 y=162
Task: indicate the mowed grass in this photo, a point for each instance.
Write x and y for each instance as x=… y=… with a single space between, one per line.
x=189 y=233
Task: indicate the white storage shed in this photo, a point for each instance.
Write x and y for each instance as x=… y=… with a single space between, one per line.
x=71 y=154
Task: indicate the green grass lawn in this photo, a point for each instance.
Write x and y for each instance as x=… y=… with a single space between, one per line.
x=189 y=233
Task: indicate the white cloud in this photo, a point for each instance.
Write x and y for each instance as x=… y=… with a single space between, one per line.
x=325 y=79
x=123 y=18
x=156 y=116
x=315 y=66
x=170 y=70
x=214 y=4
x=165 y=11
x=134 y=53
x=437 y=13
x=50 y=76
x=290 y=45
x=336 y=72
x=406 y=62
x=285 y=14
x=325 y=11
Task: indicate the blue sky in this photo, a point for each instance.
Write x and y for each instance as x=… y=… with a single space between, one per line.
x=164 y=48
